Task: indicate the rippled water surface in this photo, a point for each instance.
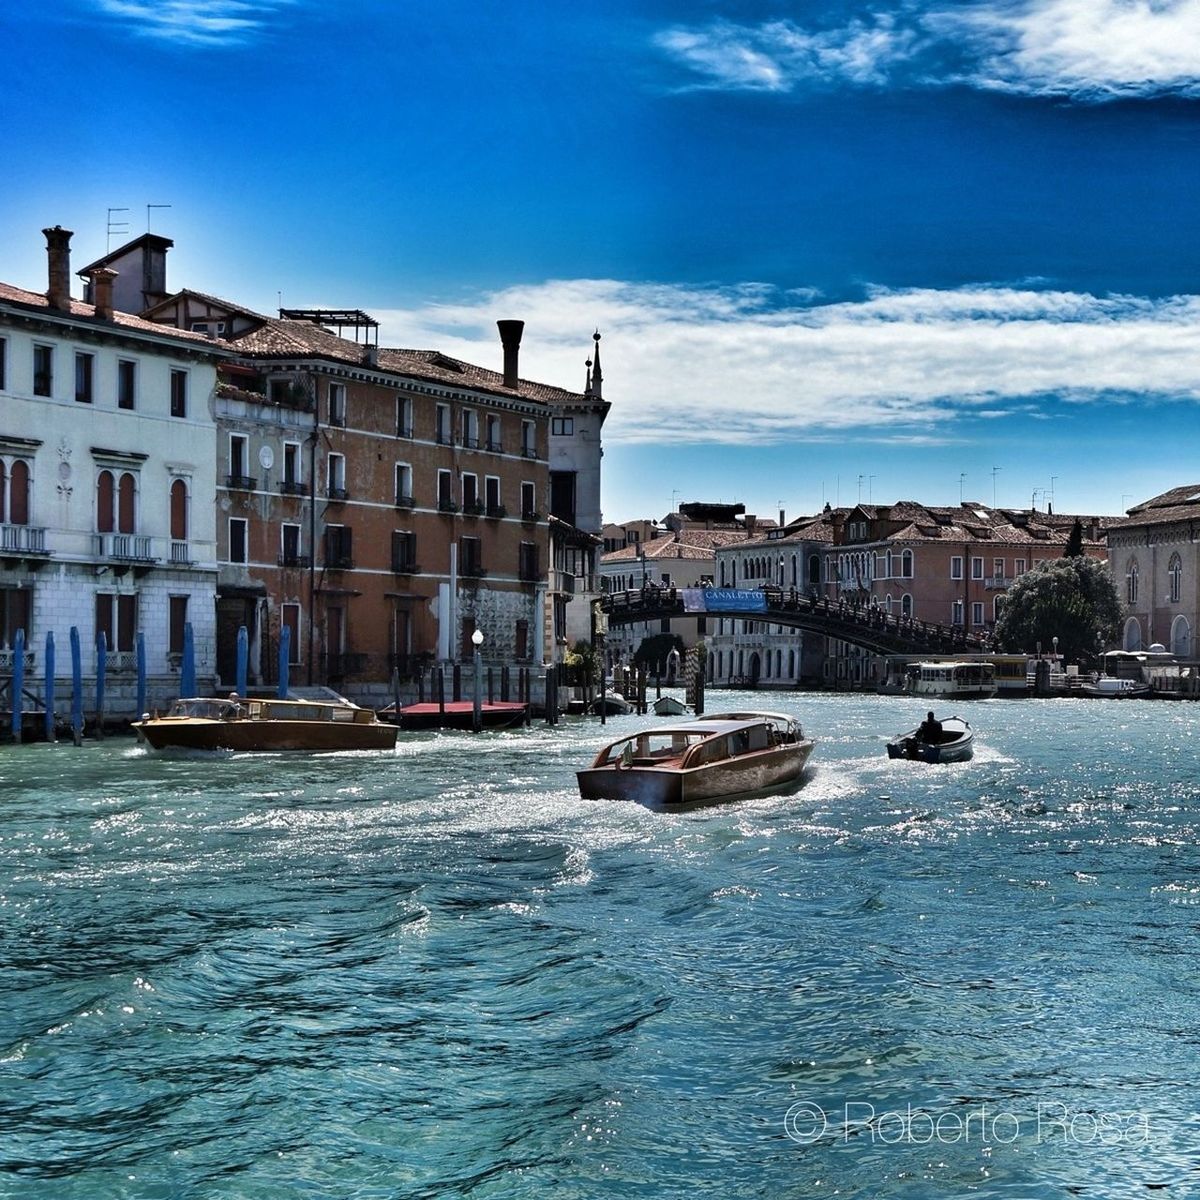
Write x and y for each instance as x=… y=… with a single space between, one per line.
x=440 y=973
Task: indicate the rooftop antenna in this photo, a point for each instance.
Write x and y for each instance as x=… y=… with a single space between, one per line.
x=962 y=475
x=870 y=489
x=148 y=208
x=860 y=479
x=1033 y=498
x=120 y=225
x=1053 y=479
x=995 y=472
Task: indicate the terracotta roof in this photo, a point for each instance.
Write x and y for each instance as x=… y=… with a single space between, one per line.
x=1179 y=504
x=215 y=301
x=37 y=300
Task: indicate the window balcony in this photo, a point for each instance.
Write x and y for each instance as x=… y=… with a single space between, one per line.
x=474 y=509
x=340 y=562
x=445 y=437
x=241 y=483
x=469 y=442
x=447 y=506
x=337 y=494
x=180 y=554
x=495 y=447
x=530 y=516
x=337 y=419
x=996 y=582
x=292 y=487
x=123 y=547
x=403 y=501
x=404 y=431
x=23 y=539
x=529 y=452
x=529 y=573
x=295 y=561
x=120 y=662
x=405 y=566
x=7 y=661
x=495 y=511
x=472 y=570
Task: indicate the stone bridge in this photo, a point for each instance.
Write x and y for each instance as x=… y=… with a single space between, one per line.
x=872 y=628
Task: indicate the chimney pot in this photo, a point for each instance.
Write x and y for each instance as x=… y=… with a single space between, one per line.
x=58 y=250
x=510 y=338
x=102 y=290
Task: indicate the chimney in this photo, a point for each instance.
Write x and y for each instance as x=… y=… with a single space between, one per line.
x=371 y=355
x=58 y=248
x=782 y=519
x=510 y=337
x=102 y=290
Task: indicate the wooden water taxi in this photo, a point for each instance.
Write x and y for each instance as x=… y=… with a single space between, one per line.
x=708 y=758
x=200 y=723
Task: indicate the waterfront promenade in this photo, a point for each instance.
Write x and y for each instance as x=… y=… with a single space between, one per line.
x=439 y=972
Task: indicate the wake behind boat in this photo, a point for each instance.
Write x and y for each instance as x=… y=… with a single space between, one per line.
x=949 y=740
x=707 y=758
x=200 y=723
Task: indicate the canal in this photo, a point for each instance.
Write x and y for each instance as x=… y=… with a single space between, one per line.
x=439 y=973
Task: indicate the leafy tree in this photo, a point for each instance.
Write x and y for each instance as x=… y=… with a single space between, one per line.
x=654 y=651
x=1074 y=547
x=1072 y=599
x=583 y=663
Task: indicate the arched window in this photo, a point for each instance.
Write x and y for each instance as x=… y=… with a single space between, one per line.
x=814 y=569
x=179 y=511
x=126 y=493
x=1175 y=580
x=1133 y=634
x=791 y=664
x=18 y=493
x=906 y=605
x=887 y=603
x=105 y=510
x=1181 y=637
x=1131 y=581
x=888 y=564
x=906 y=564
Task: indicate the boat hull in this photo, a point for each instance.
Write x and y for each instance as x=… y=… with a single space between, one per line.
x=188 y=734
x=664 y=786
x=460 y=714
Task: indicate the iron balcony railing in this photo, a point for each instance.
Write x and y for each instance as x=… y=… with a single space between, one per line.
x=241 y=483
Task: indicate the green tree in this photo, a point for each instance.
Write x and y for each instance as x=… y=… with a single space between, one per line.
x=654 y=651
x=1072 y=599
x=1074 y=547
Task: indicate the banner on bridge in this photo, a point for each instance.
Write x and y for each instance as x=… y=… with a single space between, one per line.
x=718 y=600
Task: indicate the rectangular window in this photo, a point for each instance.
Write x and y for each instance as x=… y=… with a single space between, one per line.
x=3 y=364
x=528 y=565
x=493 y=434
x=239 y=448
x=442 y=427
x=104 y=619
x=337 y=404
x=562 y=426
x=528 y=505
x=336 y=471
x=522 y=640
x=956 y=566
x=43 y=370
x=1019 y=567
x=404 y=424
x=177 y=619
x=470 y=428
x=289 y=546
x=976 y=613
x=179 y=393
x=289 y=619
x=84 y=369
x=956 y=613
x=404 y=551
x=237 y=539
x=470 y=494
x=338 y=547
x=445 y=492
x=491 y=496
x=470 y=561
x=291 y=468
x=126 y=384
x=998 y=568
x=404 y=489
x=976 y=568
x=528 y=439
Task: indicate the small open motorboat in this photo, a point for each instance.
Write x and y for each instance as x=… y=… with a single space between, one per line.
x=1110 y=687
x=611 y=704
x=669 y=706
x=201 y=723
x=708 y=758
x=952 y=743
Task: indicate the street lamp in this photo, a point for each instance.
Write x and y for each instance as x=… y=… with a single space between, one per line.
x=476 y=707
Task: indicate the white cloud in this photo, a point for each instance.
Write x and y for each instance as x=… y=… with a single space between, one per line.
x=1087 y=49
x=731 y=365
x=195 y=22
x=778 y=55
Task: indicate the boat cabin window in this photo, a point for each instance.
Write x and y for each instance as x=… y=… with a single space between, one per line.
x=210 y=710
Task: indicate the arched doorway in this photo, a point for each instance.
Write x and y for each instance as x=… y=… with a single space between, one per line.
x=755 y=670
x=1133 y=634
x=1181 y=637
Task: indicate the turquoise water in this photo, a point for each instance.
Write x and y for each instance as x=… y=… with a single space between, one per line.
x=441 y=973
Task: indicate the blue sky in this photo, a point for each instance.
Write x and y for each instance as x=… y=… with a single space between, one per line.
x=836 y=251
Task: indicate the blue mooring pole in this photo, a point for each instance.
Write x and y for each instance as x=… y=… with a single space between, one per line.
x=285 y=654
x=243 y=654
x=18 y=683
x=187 y=672
x=140 y=646
x=76 y=689
x=50 y=731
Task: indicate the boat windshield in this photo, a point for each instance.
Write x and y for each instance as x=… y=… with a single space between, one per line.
x=211 y=710
x=653 y=748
